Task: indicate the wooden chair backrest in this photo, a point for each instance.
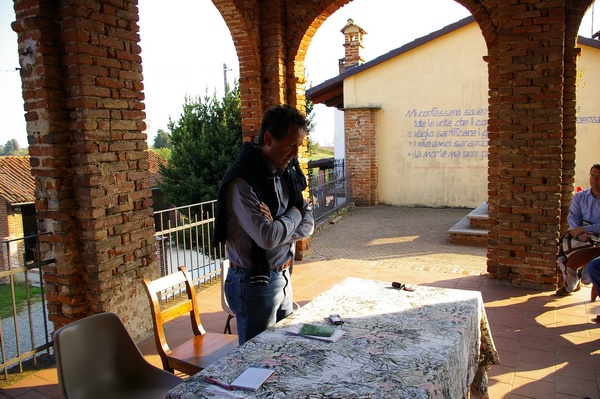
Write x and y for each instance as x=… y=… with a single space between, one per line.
x=168 y=306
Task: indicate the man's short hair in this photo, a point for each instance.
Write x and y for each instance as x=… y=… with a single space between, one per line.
x=595 y=166
x=278 y=120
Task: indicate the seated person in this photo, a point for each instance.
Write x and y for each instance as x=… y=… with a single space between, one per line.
x=593 y=270
x=584 y=224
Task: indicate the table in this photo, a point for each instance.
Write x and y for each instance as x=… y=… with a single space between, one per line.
x=430 y=343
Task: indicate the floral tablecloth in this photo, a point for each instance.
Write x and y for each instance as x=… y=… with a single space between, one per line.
x=429 y=343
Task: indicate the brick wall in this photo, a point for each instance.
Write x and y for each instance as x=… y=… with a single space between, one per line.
x=360 y=125
x=4 y=234
x=3 y=218
x=11 y=226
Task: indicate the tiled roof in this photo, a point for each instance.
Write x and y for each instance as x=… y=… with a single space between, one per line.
x=154 y=160
x=17 y=185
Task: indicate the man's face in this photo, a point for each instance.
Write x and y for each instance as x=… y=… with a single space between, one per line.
x=595 y=180
x=279 y=153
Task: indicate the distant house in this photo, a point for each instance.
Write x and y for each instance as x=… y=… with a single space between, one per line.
x=412 y=124
x=17 y=205
x=17 y=209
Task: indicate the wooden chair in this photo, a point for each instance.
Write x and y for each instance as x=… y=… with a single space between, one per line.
x=204 y=348
x=97 y=359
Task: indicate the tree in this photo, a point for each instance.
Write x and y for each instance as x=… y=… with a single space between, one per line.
x=311 y=145
x=11 y=147
x=162 y=139
x=205 y=141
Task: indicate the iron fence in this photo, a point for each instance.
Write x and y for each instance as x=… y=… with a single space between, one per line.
x=183 y=238
x=330 y=189
x=24 y=332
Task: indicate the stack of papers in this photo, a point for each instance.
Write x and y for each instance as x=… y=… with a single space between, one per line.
x=252 y=378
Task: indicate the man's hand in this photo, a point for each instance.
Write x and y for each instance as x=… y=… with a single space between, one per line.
x=264 y=209
x=580 y=234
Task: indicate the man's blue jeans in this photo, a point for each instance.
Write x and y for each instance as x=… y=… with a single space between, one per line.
x=257 y=307
x=593 y=269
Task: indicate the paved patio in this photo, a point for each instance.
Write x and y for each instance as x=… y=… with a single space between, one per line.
x=548 y=345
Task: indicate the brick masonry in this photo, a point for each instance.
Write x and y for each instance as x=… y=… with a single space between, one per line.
x=83 y=93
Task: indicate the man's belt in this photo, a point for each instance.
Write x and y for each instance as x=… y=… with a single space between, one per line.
x=285 y=266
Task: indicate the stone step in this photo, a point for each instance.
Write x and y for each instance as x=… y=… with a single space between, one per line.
x=478 y=217
x=472 y=229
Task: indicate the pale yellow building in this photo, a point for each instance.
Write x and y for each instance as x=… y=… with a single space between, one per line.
x=429 y=99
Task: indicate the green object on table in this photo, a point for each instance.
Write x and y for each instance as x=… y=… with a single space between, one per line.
x=317 y=330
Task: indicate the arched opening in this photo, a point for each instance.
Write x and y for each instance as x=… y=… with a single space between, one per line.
x=187 y=50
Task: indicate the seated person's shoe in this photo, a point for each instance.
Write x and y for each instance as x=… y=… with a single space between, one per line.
x=563 y=291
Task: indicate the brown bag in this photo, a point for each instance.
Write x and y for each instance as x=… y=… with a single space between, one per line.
x=578 y=253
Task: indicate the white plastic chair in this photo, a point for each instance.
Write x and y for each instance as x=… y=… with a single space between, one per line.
x=224 y=304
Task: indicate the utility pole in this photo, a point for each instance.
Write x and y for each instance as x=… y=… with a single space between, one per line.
x=225 y=86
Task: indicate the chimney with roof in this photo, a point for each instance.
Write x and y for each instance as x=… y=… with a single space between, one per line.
x=353 y=36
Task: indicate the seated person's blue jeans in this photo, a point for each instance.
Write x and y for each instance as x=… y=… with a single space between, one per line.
x=593 y=270
x=257 y=307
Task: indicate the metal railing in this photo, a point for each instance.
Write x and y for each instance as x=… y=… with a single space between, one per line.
x=330 y=189
x=26 y=334
x=183 y=238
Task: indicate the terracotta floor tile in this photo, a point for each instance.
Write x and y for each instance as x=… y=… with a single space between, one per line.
x=499 y=390
x=564 y=354
x=531 y=388
x=541 y=343
x=576 y=370
x=576 y=387
x=536 y=356
x=534 y=371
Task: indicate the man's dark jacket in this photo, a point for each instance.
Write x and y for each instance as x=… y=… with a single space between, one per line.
x=251 y=166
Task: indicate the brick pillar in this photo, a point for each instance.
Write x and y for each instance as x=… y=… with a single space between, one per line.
x=525 y=132
x=82 y=86
x=360 y=125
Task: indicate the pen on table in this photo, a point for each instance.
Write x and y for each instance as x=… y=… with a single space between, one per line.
x=219 y=383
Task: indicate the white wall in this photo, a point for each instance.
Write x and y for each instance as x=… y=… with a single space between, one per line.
x=432 y=125
x=588 y=114
x=431 y=150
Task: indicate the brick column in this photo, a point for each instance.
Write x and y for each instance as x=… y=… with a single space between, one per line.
x=525 y=131
x=360 y=125
x=82 y=86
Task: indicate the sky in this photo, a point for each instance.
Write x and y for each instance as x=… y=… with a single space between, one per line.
x=185 y=45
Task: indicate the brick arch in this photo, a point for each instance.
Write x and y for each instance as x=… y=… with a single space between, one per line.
x=271 y=56
x=242 y=18
x=305 y=19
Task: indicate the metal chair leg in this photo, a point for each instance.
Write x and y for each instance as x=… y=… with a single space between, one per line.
x=227 y=325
